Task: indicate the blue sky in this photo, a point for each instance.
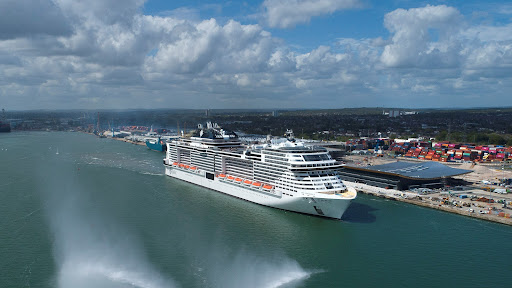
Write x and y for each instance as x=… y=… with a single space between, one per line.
x=364 y=22
x=254 y=54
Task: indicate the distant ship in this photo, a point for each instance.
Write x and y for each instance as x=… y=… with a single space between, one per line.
x=283 y=174
x=5 y=126
x=156 y=144
x=154 y=141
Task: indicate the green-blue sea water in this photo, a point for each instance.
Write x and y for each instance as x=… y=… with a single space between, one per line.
x=101 y=213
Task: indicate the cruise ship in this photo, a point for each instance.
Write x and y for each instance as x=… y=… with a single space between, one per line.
x=279 y=173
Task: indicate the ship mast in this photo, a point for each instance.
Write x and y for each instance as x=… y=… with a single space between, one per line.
x=98 y=124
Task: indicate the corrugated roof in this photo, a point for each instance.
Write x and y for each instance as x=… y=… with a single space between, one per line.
x=426 y=170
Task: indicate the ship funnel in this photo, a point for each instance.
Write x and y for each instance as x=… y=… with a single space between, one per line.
x=289 y=135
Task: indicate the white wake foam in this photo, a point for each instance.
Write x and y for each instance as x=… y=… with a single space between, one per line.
x=247 y=270
x=153 y=174
x=90 y=249
x=102 y=274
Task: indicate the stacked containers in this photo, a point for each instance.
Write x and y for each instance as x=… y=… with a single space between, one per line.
x=458 y=154
x=466 y=153
x=430 y=154
x=417 y=152
x=423 y=153
x=445 y=151
x=453 y=146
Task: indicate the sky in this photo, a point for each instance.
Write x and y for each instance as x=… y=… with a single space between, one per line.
x=267 y=54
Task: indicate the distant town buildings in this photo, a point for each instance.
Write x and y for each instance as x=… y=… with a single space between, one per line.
x=396 y=113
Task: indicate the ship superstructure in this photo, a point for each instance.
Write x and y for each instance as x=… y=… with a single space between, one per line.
x=281 y=173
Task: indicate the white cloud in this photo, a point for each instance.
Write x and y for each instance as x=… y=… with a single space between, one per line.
x=413 y=30
x=17 y=19
x=486 y=33
x=98 y=12
x=182 y=13
x=119 y=58
x=491 y=55
x=289 y=13
x=207 y=47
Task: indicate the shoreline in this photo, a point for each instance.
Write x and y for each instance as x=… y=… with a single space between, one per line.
x=120 y=139
x=424 y=201
x=128 y=141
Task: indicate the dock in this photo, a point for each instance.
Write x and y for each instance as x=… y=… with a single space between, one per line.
x=435 y=201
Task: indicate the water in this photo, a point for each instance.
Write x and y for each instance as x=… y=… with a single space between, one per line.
x=100 y=213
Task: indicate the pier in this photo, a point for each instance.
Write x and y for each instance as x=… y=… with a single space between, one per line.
x=438 y=201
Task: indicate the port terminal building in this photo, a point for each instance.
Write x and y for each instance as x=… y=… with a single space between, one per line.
x=403 y=175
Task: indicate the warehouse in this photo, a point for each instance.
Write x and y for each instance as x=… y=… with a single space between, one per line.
x=403 y=175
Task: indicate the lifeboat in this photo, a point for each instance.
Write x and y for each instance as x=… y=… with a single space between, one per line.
x=230 y=178
x=193 y=168
x=267 y=187
x=187 y=166
x=256 y=184
x=175 y=163
x=247 y=182
x=238 y=180
x=222 y=176
x=182 y=165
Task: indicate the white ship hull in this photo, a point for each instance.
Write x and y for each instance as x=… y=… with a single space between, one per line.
x=331 y=206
